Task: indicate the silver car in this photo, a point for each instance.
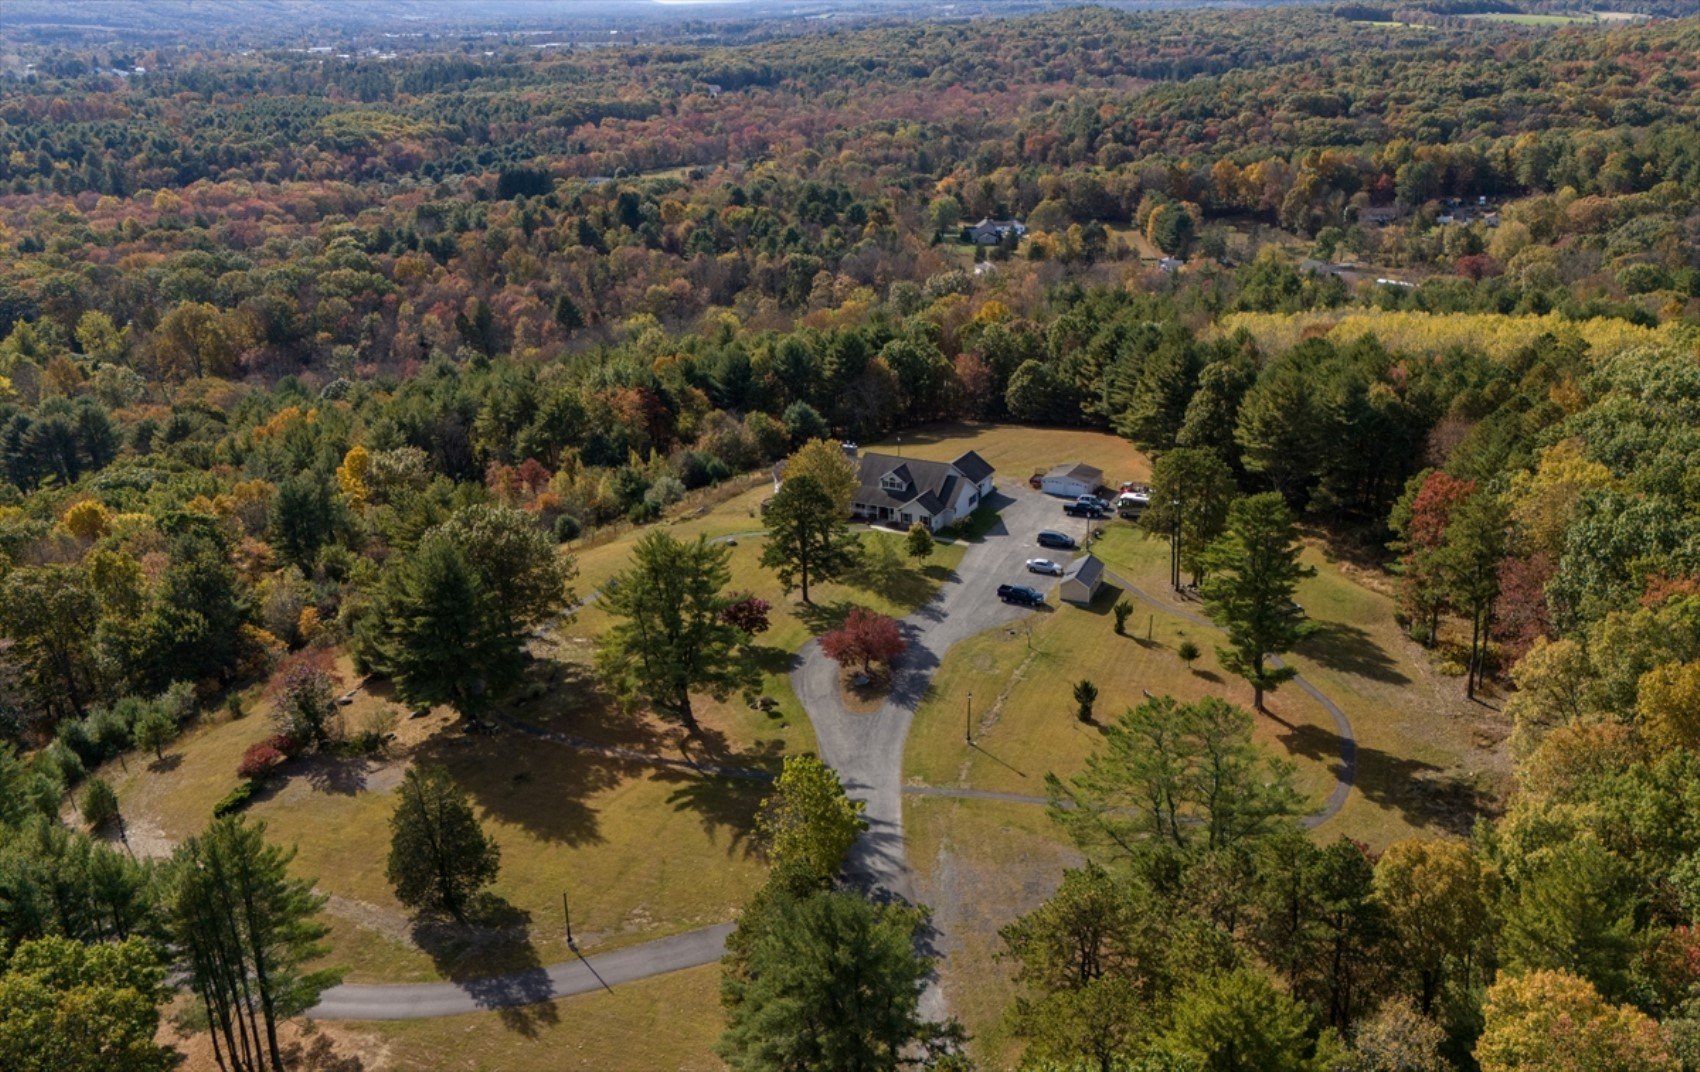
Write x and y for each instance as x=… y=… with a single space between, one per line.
x=1044 y=565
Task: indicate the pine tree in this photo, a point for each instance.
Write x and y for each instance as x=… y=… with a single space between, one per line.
x=807 y=539
x=670 y=636
x=246 y=929
x=832 y=981
x=1468 y=559
x=440 y=858
x=1253 y=570
x=567 y=313
x=438 y=633
x=1192 y=489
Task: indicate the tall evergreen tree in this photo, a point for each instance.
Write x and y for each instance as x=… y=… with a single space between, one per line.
x=1191 y=489
x=833 y=984
x=807 y=539
x=1253 y=570
x=247 y=929
x=670 y=638
x=440 y=857
x=1471 y=549
x=436 y=629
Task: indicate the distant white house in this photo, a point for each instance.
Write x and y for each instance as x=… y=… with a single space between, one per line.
x=1073 y=480
x=989 y=232
x=902 y=491
x=1081 y=580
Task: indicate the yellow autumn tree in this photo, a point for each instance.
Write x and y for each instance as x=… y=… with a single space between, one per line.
x=87 y=520
x=1668 y=700
x=1543 y=502
x=351 y=475
x=824 y=460
x=1552 y=1021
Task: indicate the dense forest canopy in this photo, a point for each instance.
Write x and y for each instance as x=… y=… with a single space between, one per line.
x=301 y=344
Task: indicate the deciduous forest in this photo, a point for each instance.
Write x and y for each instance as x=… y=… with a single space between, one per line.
x=338 y=360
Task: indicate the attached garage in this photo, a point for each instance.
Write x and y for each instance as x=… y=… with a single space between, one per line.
x=1081 y=581
x=1073 y=480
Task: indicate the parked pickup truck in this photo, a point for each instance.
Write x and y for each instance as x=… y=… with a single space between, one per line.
x=1020 y=593
x=1078 y=509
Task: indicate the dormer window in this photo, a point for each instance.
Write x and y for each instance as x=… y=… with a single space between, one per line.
x=892 y=482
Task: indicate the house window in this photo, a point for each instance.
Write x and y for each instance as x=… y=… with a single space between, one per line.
x=893 y=483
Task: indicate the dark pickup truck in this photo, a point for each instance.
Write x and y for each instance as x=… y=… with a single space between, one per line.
x=1077 y=509
x=1020 y=593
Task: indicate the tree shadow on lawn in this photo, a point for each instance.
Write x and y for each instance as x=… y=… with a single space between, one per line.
x=493 y=959
x=820 y=618
x=725 y=806
x=1350 y=650
x=338 y=775
x=1426 y=796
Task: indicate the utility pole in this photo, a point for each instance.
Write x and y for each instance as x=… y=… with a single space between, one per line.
x=1175 y=544
x=968 y=721
x=567 y=911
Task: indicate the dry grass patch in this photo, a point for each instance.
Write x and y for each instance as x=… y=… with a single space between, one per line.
x=1429 y=761
x=1017 y=451
x=980 y=864
x=666 y=1022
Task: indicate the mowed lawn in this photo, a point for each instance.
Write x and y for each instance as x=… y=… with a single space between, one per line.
x=738 y=729
x=1024 y=716
x=980 y=864
x=1017 y=451
x=665 y=1022
x=565 y=819
x=1427 y=758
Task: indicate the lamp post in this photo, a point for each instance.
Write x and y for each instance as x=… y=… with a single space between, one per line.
x=567 y=911
x=968 y=721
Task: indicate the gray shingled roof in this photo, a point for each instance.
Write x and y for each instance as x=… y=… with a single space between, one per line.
x=930 y=485
x=974 y=467
x=1079 y=471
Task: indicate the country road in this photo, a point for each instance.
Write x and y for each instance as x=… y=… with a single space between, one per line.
x=867 y=752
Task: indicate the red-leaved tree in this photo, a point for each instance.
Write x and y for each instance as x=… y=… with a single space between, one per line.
x=865 y=637
x=259 y=760
x=1420 y=522
x=748 y=613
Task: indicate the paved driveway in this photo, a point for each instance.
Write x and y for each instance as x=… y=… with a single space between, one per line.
x=867 y=749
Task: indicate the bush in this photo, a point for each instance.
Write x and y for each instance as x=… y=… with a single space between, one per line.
x=259 y=761
x=567 y=527
x=99 y=804
x=1188 y=651
x=1121 y=610
x=235 y=800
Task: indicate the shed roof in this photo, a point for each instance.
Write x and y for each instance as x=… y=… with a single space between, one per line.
x=1078 y=471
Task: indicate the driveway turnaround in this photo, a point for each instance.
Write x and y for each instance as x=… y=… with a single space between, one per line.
x=867 y=750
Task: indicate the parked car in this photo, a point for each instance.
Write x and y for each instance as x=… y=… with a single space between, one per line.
x=1078 y=509
x=1094 y=502
x=1044 y=565
x=1061 y=541
x=1020 y=593
x=1037 y=480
